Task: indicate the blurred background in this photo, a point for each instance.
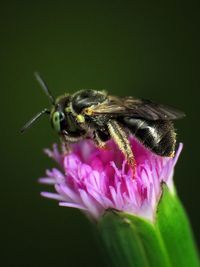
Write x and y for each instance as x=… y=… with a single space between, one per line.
x=148 y=49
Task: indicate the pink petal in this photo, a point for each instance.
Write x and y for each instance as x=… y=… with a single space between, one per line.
x=95 y=179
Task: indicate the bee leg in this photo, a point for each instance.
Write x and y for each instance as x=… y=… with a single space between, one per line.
x=98 y=140
x=64 y=145
x=121 y=139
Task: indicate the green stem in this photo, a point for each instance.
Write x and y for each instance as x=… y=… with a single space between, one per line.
x=174 y=227
x=135 y=242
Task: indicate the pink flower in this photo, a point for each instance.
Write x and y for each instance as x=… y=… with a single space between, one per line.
x=93 y=179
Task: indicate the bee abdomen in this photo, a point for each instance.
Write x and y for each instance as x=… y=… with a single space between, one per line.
x=159 y=136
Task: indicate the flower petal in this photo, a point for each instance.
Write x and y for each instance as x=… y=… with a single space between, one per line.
x=96 y=179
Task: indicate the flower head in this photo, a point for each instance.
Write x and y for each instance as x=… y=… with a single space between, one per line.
x=93 y=179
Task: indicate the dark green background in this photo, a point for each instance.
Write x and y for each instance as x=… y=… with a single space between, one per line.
x=147 y=49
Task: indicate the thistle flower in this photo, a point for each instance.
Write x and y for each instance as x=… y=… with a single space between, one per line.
x=94 y=180
x=137 y=215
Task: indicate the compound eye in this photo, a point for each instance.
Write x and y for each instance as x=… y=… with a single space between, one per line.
x=56 y=121
x=62 y=116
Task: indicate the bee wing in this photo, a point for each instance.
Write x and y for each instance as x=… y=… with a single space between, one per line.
x=137 y=108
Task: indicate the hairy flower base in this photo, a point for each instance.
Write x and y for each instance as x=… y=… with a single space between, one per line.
x=93 y=179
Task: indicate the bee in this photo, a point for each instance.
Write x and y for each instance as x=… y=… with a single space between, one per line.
x=99 y=116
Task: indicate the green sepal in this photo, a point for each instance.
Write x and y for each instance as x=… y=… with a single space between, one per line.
x=174 y=227
x=132 y=241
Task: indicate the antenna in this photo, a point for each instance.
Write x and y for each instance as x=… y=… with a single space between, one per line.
x=34 y=119
x=44 y=87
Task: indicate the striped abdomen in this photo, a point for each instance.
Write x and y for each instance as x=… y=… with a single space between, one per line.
x=159 y=136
